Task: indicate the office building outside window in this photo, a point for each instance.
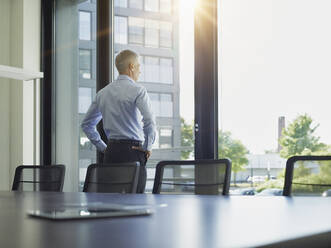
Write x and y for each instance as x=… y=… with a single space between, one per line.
x=165 y=34
x=142 y=68
x=85 y=63
x=152 y=5
x=136 y=4
x=151 y=69
x=162 y=104
x=84 y=25
x=165 y=6
x=166 y=138
x=121 y=27
x=84 y=99
x=121 y=3
x=136 y=31
x=151 y=33
x=166 y=105
x=166 y=71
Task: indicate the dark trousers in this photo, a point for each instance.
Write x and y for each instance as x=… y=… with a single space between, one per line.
x=117 y=152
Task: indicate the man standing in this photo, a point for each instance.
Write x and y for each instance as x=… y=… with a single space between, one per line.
x=128 y=122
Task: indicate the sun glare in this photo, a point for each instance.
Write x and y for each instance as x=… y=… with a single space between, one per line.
x=188 y=5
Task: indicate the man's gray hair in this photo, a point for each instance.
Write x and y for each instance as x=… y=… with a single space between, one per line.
x=124 y=58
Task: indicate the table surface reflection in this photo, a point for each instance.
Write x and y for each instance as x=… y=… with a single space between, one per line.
x=185 y=221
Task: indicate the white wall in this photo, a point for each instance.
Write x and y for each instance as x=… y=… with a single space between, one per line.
x=19 y=47
x=4 y=96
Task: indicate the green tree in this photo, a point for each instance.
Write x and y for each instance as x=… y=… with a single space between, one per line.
x=299 y=139
x=234 y=150
x=187 y=138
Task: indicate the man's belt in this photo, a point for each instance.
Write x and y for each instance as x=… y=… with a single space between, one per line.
x=125 y=141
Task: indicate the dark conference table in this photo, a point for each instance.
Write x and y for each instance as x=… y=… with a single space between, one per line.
x=186 y=221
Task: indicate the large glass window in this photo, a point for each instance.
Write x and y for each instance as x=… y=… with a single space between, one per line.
x=136 y=30
x=121 y=30
x=146 y=27
x=151 y=33
x=273 y=83
x=84 y=25
x=167 y=74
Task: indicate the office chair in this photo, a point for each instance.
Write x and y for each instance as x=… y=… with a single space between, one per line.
x=39 y=178
x=206 y=177
x=307 y=175
x=112 y=178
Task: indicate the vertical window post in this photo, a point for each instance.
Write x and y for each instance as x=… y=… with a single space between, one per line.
x=206 y=114
x=104 y=52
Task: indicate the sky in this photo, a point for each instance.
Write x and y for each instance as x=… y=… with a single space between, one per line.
x=274 y=60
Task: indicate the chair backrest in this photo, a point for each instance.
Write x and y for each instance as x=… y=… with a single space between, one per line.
x=112 y=178
x=307 y=175
x=204 y=177
x=39 y=178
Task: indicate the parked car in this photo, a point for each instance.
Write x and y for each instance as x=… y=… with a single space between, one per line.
x=243 y=191
x=327 y=193
x=271 y=191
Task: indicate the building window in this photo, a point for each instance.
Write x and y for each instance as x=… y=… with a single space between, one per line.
x=155 y=102
x=84 y=25
x=166 y=71
x=166 y=106
x=152 y=69
x=162 y=104
x=156 y=70
x=136 y=4
x=84 y=99
x=85 y=59
x=136 y=31
x=165 y=34
x=121 y=30
x=166 y=138
x=165 y=6
x=152 y=5
x=151 y=33
x=121 y=3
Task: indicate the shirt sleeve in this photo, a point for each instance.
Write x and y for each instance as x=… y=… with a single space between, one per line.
x=89 y=126
x=144 y=105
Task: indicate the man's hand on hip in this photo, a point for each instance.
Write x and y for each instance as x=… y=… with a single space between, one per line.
x=147 y=153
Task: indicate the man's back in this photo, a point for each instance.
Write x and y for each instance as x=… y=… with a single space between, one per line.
x=117 y=104
x=125 y=109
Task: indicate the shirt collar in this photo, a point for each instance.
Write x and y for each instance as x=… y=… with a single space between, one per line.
x=125 y=77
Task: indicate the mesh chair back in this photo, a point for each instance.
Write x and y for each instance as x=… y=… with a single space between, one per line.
x=39 y=178
x=307 y=176
x=204 y=177
x=112 y=178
